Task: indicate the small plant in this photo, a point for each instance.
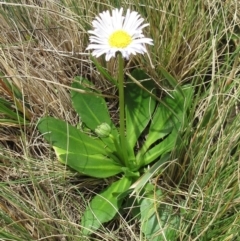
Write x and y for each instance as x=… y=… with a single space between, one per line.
x=149 y=129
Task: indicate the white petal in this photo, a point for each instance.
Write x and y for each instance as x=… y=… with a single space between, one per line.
x=143 y=40
x=105 y=24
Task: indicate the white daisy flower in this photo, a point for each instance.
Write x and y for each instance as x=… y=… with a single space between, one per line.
x=118 y=33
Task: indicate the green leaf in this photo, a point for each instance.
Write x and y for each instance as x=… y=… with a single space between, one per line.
x=144 y=179
x=149 y=221
x=129 y=173
x=159 y=149
x=165 y=126
x=67 y=137
x=171 y=80
x=97 y=165
x=158 y=222
x=104 y=206
x=139 y=106
x=92 y=109
x=81 y=152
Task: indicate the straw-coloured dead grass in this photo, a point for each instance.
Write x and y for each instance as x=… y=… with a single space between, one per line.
x=42 y=49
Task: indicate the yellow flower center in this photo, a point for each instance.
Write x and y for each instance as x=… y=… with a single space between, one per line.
x=119 y=39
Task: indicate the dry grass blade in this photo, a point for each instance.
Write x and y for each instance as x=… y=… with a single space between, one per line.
x=42 y=49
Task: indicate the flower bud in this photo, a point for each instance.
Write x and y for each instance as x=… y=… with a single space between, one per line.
x=103 y=130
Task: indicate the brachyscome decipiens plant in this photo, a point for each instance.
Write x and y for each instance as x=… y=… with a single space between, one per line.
x=105 y=150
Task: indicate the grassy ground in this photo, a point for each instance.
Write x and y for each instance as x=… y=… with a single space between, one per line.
x=42 y=48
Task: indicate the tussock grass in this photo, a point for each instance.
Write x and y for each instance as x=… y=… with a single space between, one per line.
x=42 y=48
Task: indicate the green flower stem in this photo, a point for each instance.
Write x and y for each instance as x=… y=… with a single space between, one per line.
x=119 y=153
x=122 y=108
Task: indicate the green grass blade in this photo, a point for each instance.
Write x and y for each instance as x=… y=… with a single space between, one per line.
x=104 y=72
